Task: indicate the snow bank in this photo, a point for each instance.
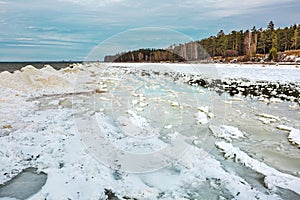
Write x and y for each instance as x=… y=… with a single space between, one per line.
x=273 y=177
x=33 y=82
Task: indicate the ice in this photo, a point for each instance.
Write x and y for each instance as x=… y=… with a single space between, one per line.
x=34 y=82
x=203 y=114
x=168 y=126
x=283 y=127
x=294 y=137
x=72 y=173
x=273 y=177
x=268 y=116
x=204 y=109
x=226 y=132
x=201 y=118
x=282 y=73
x=41 y=105
x=266 y=120
x=235 y=99
x=24 y=185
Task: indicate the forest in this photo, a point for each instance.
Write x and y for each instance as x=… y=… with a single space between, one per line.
x=267 y=44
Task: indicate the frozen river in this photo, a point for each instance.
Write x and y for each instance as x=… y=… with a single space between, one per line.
x=153 y=131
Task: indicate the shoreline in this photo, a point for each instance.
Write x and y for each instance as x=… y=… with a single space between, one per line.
x=14 y=66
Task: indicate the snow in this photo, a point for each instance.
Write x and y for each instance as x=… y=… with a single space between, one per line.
x=82 y=177
x=44 y=111
x=294 y=137
x=235 y=99
x=33 y=82
x=204 y=114
x=283 y=127
x=201 y=118
x=254 y=72
x=226 y=132
x=267 y=118
x=273 y=177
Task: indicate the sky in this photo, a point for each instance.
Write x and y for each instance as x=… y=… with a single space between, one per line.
x=56 y=30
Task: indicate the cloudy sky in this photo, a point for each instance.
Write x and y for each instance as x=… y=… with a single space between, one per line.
x=71 y=29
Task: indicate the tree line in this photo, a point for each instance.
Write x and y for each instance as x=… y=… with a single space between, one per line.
x=247 y=44
x=255 y=41
x=145 y=55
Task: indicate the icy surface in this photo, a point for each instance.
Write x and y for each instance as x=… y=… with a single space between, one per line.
x=226 y=132
x=273 y=177
x=282 y=73
x=51 y=120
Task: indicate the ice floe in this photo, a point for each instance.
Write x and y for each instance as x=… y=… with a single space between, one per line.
x=226 y=132
x=294 y=135
x=273 y=177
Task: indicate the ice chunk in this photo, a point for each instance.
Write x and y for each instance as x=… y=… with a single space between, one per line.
x=175 y=104
x=235 y=99
x=226 y=132
x=284 y=128
x=227 y=102
x=266 y=120
x=268 y=116
x=168 y=126
x=201 y=118
x=294 y=137
x=273 y=176
x=204 y=109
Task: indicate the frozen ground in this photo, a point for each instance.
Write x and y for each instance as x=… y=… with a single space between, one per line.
x=141 y=131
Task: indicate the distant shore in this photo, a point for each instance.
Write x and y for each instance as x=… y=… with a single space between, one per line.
x=13 y=66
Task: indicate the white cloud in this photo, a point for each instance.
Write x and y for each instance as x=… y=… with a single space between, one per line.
x=93 y=3
x=224 y=8
x=81 y=24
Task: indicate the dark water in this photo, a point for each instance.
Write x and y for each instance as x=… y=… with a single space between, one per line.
x=13 y=66
x=24 y=185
